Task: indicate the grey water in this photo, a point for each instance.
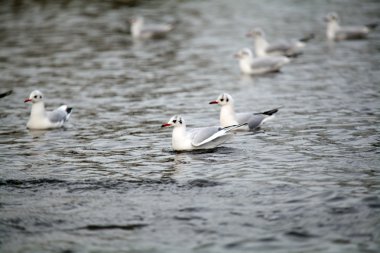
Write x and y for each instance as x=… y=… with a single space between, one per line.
x=307 y=181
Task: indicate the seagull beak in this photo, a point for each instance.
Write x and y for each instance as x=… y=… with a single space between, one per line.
x=166 y=125
x=213 y=102
x=27 y=100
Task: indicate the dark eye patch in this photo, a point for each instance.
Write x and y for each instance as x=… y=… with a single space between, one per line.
x=180 y=121
x=40 y=96
x=35 y=96
x=226 y=99
x=221 y=99
x=174 y=121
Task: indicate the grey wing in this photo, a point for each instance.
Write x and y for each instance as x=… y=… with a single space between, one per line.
x=253 y=120
x=279 y=47
x=244 y=117
x=157 y=31
x=267 y=62
x=198 y=135
x=256 y=120
x=58 y=115
x=352 y=32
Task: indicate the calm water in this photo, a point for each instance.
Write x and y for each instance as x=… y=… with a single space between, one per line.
x=306 y=182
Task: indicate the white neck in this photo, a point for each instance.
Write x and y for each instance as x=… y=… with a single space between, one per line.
x=227 y=115
x=245 y=65
x=332 y=28
x=136 y=28
x=38 y=110
x=179 y=138
x=261 y=46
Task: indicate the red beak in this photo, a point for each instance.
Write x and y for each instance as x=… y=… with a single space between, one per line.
x=27 y=100
x=166 y=125
x=213 y=102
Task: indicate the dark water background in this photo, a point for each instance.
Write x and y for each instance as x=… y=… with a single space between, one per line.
x=108 y=182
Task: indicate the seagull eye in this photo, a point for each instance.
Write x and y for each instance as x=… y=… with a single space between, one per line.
x=226 y=99
x=221 y=100
x=35 y=96
x=40 y=96
x=174 y=121
x=180 y=121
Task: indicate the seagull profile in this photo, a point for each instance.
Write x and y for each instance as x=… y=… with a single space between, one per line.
x=40 y=119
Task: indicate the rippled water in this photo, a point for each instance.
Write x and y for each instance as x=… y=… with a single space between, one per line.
x=306 y=182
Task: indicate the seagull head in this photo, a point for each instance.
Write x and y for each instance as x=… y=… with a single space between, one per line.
x=331 y=17
x=138 y=20
x=175 y=121
x=244 y=53
x=223 y=99
x=35 y=96
x=255 y=33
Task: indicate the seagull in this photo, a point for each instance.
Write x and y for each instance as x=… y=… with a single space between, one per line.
x=336 y=32
x=139 y=31
x=228 y=116
x=197 y=138
x=259 y=65
x=289 y=49
x=40 y=119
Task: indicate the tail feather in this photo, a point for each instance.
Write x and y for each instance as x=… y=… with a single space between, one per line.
x=307 y=37
x=372 y=26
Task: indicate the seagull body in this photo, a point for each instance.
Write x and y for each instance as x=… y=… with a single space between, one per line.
x=40 y=119
x=229 y=117
x=259 y=65
x=140 y=31
x=197 y=138
x=336 y=32
x=285 y=48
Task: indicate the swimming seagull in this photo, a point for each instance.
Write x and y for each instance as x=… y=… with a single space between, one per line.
x=336 y=32
x=197 y=138
x=40 y=119
x=263 y=48
x=259 y=65
x=140 y=31
x=228 y=116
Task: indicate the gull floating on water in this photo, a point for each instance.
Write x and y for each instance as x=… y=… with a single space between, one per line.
x=140 y=31
x=40 y=119
x=336 y=32
x=197 y=138
x=228 y=116
x=259 y=65
x=263 y=48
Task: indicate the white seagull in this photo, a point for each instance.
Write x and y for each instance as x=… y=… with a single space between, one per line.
x=40 y=119
x=259 y=65
x=285 y=48
x=228 y=116
x=140 y=31
x=336 y=32
x=197 y=138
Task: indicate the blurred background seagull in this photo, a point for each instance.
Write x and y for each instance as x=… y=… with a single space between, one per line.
x=40 y=119
x=259 y=65
x=285 y=48
x=197 y=138
x=140 y=31
x=336 y=32
x=228 y=116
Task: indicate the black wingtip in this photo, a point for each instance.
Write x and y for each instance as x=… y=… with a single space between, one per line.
x=372 y=26
x=6 y=93
x=68 y=110
x=270 y=112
